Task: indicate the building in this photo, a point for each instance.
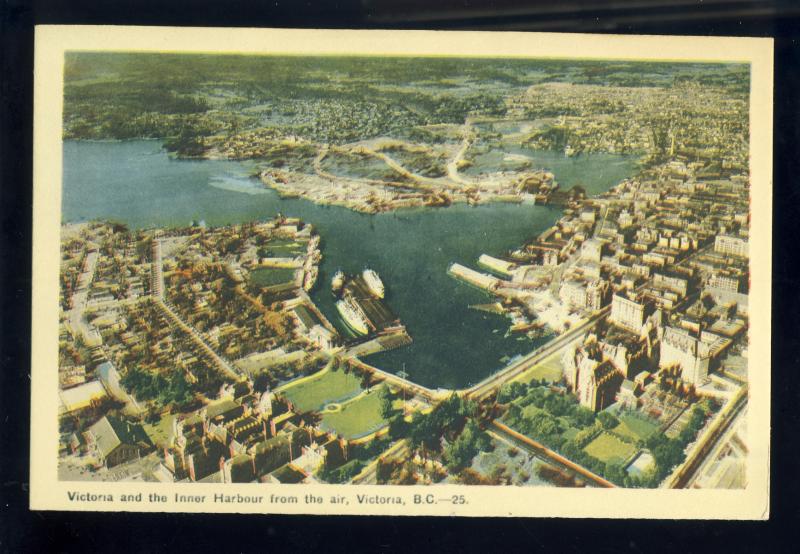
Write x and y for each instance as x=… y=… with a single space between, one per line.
x=579 y=294
x=591 y=375
x=598 y=384
x=592 y=250
x=115 y=441
x=679 y=347
x=735 y=246
x=675 y=283
x=627 y=394
x=311 y=328
x=627 y=313
x=82 y=396
x=728 y=283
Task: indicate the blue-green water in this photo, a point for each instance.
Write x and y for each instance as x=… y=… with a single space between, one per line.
x=594 y=172
x=135 y=182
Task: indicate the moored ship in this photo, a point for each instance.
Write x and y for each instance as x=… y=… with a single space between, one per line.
x=353 y=315
x=374 y=282
x=338 y=281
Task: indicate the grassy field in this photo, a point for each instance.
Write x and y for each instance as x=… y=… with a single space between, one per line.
x=322 y=388
x=609 y=448
x=269 y=276
x=635 y=427
x=280 y=248
x=548 y=369
x=357 y=417
x=160 y=433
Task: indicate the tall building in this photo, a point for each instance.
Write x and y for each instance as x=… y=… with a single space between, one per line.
x=679 y=347
x=591 y=375
x=580 y=294
x=628 y=314
x=598 y=384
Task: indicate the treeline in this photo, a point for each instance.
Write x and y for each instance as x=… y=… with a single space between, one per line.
x=554 y=410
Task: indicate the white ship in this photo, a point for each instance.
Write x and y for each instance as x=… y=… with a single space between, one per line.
x=338 y=281
x=373 y=282
x=353 y=315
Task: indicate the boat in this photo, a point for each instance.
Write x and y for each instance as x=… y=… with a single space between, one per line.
x=373 y=282
x=338 y=281
x=353 y=316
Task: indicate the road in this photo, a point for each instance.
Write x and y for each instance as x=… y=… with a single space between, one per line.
x=80 y=297
x=222 y=364
x=541 y=451
x=726 y=439
x=494 y=382
x=682 y=476
x=368 y=475
x=426 y=393
x=452 y=165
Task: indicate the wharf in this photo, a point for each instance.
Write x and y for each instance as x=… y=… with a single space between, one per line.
x=476 y=278
x=376 y=310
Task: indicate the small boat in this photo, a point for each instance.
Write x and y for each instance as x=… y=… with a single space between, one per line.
x=374 y=282
x=338 y=281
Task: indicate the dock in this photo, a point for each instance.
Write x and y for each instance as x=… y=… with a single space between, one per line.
x=378 y=313
x=476 y=278
x=497 y=265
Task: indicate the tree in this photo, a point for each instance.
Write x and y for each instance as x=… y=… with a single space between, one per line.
x=615 y=473
x=607 y=420
x=513 y=415
x=262 y=382
x=398 y=426
x=387 y=408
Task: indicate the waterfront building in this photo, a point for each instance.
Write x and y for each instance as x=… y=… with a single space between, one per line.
x=583 y=295
x=310 y=327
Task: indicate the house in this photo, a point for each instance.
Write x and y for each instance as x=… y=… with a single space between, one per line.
x=115 y=441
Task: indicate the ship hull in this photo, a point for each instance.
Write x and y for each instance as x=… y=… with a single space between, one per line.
x=374 y=283
x=353 y=322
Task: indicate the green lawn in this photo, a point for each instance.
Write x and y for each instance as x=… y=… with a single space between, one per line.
x=161 y=432
x=607 y=448
x=531 y=410
x=280 y=248
x=270 y=276
x=548 y=369
x=635 y=427
x=323 y=388
x=570 y=433
x=358 y=417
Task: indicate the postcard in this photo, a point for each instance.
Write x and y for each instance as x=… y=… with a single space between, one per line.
x=401 y=272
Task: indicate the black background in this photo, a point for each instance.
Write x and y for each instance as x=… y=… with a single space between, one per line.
x=25 y=531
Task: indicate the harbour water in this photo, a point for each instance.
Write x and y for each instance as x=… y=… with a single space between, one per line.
x=137 y=183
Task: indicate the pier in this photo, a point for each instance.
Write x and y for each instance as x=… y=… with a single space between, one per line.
x=475 y=278
x=378 y=314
